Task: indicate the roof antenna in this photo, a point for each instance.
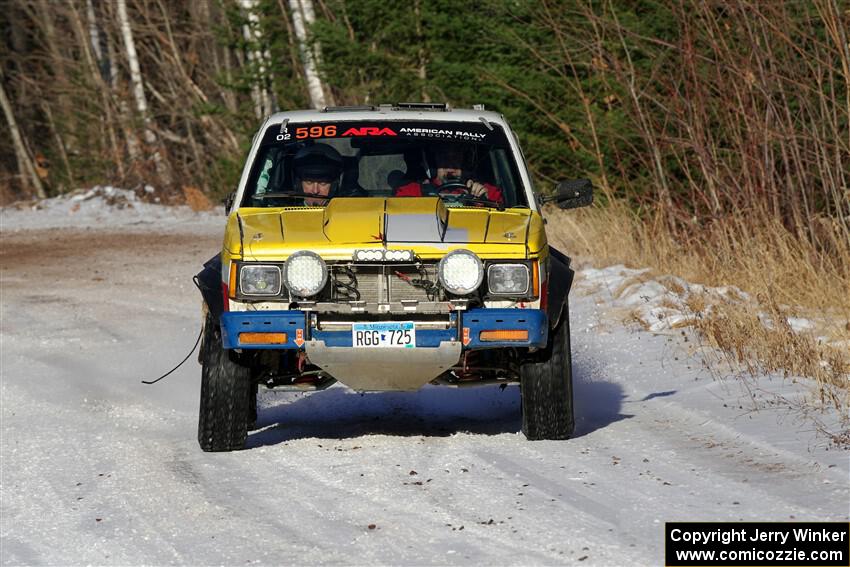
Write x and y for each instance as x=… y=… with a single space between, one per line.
x=486 y=123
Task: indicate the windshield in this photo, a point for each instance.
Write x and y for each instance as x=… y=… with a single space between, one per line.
x=466 y=164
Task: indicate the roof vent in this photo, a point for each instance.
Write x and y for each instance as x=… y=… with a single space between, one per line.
x=433 y=106
x=354 y=108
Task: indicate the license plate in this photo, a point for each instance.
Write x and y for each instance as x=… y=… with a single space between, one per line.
x=394 y=334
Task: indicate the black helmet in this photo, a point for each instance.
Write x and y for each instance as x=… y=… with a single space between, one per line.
x=319 y=162
x=451 y=155
x=455 y=155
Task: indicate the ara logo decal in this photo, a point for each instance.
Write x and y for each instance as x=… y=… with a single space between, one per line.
x=369 y=131
x=466 y=338
x=299 y=337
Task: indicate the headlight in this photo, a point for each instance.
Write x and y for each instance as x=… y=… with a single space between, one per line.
x=508 y=279
x=259 y=280
x=460 y=272
x=305 y=273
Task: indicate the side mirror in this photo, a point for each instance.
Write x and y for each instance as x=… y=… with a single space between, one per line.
x=228 y=202
x=573 y=193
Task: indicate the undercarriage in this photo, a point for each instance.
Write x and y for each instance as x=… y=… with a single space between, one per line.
x=283 y=370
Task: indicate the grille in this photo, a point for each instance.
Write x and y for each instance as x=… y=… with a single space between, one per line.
x=384 y=283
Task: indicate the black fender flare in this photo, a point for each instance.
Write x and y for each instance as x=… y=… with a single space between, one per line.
x=208 y=282
x=560 y=282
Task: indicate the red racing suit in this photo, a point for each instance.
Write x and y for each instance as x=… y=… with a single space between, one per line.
x=414 y=189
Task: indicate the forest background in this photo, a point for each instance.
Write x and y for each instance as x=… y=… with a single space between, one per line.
x=717 y=132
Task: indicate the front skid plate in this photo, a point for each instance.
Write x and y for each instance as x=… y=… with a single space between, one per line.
x=377 y=369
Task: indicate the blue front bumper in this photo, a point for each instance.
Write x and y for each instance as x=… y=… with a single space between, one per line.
x=472 y=322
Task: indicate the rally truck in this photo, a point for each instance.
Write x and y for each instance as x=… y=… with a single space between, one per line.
x=350 y=256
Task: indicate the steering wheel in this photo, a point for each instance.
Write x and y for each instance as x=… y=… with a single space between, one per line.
x=446 y=190
x=452 y=185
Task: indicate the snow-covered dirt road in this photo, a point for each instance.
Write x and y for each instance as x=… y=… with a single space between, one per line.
x=100 y=469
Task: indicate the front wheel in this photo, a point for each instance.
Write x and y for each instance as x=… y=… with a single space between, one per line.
x=547 y=390
x=226 y=390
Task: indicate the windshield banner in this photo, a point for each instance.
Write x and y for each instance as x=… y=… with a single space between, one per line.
x=454 y=131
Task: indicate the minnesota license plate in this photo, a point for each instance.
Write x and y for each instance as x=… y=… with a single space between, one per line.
x=396 y=334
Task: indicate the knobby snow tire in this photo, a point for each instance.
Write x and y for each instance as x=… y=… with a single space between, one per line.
x=225 y=395
x=547 y=389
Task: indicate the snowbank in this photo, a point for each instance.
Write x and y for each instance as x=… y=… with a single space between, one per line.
x=665 y=303
x=101 y=207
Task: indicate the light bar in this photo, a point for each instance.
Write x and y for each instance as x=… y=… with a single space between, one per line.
x=502 y=335
x=262 y=338
x=381 y=255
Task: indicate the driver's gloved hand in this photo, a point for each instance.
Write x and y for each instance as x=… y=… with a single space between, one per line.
x=476 y=188
x=429 y=189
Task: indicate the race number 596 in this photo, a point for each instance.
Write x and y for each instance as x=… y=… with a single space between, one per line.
x=316 y=132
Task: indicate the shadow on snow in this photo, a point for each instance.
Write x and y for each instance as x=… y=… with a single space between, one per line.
x=433 y=411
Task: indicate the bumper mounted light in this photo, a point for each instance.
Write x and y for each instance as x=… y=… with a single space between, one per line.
x=460 y=272
x=305 y=273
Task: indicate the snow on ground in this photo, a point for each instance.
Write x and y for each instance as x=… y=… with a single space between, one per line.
x=96 y=468
x=101 y=207
x=661 y=302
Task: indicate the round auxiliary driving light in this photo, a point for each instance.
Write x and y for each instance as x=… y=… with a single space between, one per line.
x=305 y=273
x=460 y=272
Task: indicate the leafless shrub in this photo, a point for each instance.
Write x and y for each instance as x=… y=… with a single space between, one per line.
x=781 y=275
x=196 y=199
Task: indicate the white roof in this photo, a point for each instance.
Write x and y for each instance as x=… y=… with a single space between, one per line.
x=386 y=113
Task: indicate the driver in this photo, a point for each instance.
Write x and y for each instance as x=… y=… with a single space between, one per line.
x=317 y=171
x=450 y=164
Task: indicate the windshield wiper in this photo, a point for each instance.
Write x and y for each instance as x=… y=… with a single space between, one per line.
x=289 y=195
x=469 y=198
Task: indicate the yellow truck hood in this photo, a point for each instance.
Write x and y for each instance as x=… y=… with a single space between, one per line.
x=424 y=224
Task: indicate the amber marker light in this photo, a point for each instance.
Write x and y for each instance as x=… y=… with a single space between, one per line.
x=262 y=338
x=232 y=280
x=535 y=277
x=501 y=335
